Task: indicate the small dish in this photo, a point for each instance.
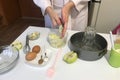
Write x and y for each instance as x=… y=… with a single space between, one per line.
x=43 y=55
x=33 y=35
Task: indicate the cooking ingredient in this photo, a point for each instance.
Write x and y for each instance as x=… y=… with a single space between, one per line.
x=34 y=35
x=41 y=60
x=60 y=28
x=55 y=40
x=46 y=57
x=17 y=45
x=30 y=56
x=117 y=41
x=36 y=49
x=70 y=57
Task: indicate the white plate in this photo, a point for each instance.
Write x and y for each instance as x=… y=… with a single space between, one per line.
x=34 y=63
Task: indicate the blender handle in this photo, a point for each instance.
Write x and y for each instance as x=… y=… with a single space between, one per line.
x=96 y=1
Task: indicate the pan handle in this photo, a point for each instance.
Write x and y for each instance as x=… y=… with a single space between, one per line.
x=96 y=1
x=102 y=53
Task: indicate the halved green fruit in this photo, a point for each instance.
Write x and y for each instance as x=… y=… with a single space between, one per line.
x=17 y=45
x=70 y=57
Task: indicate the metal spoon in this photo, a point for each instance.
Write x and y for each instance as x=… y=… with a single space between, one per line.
x=46 y=57
x=26 y=48
x=41 y=60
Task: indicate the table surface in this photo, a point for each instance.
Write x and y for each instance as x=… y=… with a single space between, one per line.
x=80 y=70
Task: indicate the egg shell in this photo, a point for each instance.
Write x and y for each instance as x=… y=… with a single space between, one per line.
x=36 y=49
x=30 y=56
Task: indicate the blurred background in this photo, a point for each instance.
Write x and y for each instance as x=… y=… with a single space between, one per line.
x=17 y=15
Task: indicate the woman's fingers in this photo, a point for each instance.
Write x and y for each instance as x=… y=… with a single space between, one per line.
x=53 y=16
x=56 y=20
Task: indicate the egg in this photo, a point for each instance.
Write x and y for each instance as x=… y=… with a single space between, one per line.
x=30 y=56
x=36 y=49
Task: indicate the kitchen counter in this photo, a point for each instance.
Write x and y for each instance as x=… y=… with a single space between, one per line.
x=80 y=70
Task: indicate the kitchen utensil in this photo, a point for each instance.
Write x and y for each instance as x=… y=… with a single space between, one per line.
x=111 y=39
x=96 y=51
x=33 y=35
x=55 y=40
x=117 y=37
x=8 y=58
x=51 y=70
x=46 y=57
x=114 y=58
x=26 y=48
x=88 y=39
x=41 y=60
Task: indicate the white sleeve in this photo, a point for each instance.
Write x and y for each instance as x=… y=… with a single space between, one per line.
x=43 y=4
x=79 y=4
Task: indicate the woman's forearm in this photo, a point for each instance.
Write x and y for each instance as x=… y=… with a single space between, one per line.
x=69 y=5
x=48 y=10
x=53 y=16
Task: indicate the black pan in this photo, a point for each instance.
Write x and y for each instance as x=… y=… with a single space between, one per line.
x=88 y=55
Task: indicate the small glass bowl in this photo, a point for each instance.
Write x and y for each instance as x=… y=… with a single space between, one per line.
x=33 y=35
x=8 y=58
x=55 y=39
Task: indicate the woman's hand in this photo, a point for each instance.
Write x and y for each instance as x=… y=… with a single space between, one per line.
x=53 y=16
x=65 y=15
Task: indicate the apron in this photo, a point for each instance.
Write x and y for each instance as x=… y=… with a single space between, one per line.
x=77 y=20
x=57 y=6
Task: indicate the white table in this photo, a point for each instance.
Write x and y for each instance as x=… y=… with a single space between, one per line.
x=80 y=70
